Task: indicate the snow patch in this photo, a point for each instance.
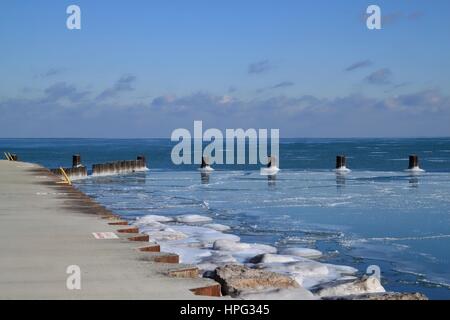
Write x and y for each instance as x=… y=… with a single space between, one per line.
x=302 y=252
x=192 y=218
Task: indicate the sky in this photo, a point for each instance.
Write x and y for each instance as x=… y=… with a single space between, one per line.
x=141 y=69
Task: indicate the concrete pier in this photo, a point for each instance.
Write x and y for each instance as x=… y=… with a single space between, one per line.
x=45 y=227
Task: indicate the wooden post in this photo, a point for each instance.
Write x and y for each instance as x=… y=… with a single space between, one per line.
x=413 y=161
x=116 y=168
x=111 y=169
x=272 y=162
x=76 y=161
x=340 y=162
x=141 y=158
x=205 y=162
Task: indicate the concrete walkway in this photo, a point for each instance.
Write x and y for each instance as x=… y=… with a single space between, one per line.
x=46 y=227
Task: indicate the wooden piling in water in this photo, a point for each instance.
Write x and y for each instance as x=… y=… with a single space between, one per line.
x=205 y=162
x=76 y=161
x=119 y=167
x=72 y=173
x=341 y=162
x=141 y=160
x=272 y=162
x=413 y=161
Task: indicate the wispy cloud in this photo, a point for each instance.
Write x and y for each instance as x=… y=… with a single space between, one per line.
x=359 y=65
x=416 y=15
x=380 y=77
x=283 y=84
x=232 y=89
x=52 y=72
x=63 y=91
x=424 y=101
x=304 y=115
x=431 y=100
x=397 y=86
x=124 y=84
x=391 y=18
x=280 y=85
x=259 y=67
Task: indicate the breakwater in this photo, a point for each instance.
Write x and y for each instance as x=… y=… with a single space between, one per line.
x=79 y=171
x=120 y=167
x=48 y=228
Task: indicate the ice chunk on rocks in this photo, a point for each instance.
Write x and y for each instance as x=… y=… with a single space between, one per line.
x=364 y=285
x=153 y=218
x=272 y=258
x=237 y=278
x=192 y=218
x=165 y=234
x=217 y=227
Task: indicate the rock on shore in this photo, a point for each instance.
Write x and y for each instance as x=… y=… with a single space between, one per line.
x=258 y=284
x=235 y=279
x=365 y=285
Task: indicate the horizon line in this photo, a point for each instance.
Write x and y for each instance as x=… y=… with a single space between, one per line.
x=168 y=138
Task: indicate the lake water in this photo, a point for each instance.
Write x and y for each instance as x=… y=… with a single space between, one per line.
x=377 y=214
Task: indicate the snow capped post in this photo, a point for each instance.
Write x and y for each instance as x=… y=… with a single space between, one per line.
x=341 y=162
x=76 y=161
x=413 y=162
x=205 y=166
x=205 y=162
x=272 y=162
x=142 y=160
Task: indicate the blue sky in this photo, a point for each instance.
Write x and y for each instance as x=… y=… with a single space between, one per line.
x=145 y=68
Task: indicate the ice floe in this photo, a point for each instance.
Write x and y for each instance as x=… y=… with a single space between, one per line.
x=269 y=171
x=243 y=250
x=207 y=246
x=217 y=227
x=302 y=252
x=164 y=234
x=361 y=286
x=192 y=218
x=153 y=218
x=272 y=258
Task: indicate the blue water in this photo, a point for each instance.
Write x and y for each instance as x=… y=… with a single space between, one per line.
x=377 y=214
